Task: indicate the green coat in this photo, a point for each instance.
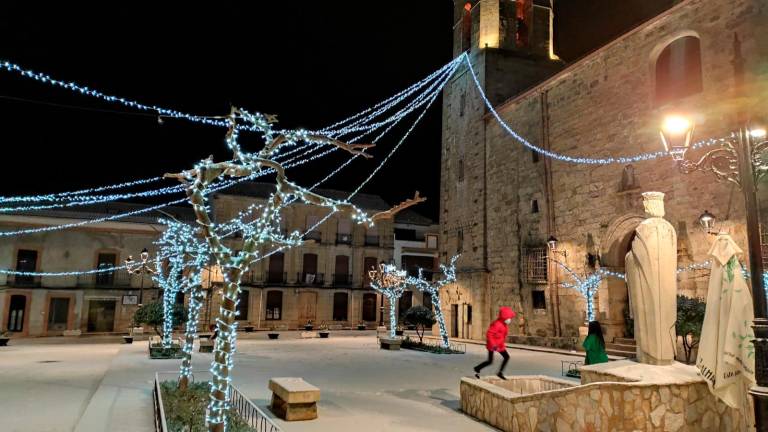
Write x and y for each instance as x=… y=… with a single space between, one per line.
x=595 y=351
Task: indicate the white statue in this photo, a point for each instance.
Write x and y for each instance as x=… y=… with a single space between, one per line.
x=652 y=278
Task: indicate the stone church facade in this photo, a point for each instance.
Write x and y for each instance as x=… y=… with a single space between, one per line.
x=500 y=201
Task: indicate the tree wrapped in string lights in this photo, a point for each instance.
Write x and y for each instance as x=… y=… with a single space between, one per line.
x=390 y=281
x=183 y=243
x=433 y=289
x=264 y=229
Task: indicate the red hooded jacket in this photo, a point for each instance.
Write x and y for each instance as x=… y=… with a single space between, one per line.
x=496 y=335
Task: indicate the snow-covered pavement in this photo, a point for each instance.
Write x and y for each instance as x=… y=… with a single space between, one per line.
x=97 y=387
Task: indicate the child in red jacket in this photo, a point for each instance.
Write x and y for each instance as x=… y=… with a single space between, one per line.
x=496 y=337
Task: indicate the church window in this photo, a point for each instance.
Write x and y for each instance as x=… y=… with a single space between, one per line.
x=536 y=265
x=678 y=70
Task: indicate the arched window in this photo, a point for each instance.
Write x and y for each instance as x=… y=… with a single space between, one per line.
x=369 y=307
x=274 y=305
x=678 y=70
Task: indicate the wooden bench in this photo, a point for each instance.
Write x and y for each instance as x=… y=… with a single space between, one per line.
x=294 y=399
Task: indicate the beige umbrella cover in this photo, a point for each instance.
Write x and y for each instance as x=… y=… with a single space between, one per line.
x=726 y=357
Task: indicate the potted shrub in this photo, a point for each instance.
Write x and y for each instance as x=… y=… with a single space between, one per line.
x=128 y=339
x=4 y=338
x=361 y=325
x=690 y=318
x=273 y=334
x=308 y=326
x=324 y=333
x=248 y=328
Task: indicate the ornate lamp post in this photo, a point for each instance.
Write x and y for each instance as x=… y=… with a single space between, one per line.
x=140 y=268
x=554 y=289
x=738 y=160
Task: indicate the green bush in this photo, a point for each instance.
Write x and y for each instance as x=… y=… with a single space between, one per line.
x=151 y=314
x=421 y=317
x=690 y=318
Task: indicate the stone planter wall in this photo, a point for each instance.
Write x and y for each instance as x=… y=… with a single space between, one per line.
x=549 y=342
x=600 y=406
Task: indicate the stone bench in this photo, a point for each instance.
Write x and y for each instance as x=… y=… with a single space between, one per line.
x=294 y=399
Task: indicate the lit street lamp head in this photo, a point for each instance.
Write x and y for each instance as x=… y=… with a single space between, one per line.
x=707 y=221
x=552 y=242
x=676 y=133
x=144 y=254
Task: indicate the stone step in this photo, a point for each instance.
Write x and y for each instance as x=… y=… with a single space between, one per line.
x=620 y=347
x=624 y=341
x=620 y=353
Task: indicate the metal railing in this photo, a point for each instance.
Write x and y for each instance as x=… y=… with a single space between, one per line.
x=24 y=281
x=107 y=280
x=250 y=413
x=277 y=278
x=371 y=240
x=314 y=235
x=310 y=278
x=343 y=238
x=342 y=279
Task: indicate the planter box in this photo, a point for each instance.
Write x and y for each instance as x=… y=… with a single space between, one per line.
x=324 y=335
x=128 y=339
x=361 y=327
x=273 y=335
x=390 y=344
x=308 y=327
x=4 y=341
x=248 y=329
x=158 y=352
x=398 y=332
x=72 y=333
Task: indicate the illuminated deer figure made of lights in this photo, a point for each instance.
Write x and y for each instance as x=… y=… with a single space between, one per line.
x=265 y=229
x=390 y=282
x=433 y=288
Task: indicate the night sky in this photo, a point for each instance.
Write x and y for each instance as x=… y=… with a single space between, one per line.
x=312 y=63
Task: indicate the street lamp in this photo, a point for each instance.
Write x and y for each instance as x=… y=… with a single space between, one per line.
x=707 y=221
x=738 y=160
x=140 y=268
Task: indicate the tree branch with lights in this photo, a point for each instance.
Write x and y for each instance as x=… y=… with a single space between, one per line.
x=264 y=229
x=433 y=289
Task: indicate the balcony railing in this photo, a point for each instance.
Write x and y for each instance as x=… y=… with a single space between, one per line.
x=371 y=240
x=310 y=279
x=343 y=238
x=314 y=235
x=277 y=278
x=342 y=279
x=116 y=279
x=258 y=279
x=24 y=281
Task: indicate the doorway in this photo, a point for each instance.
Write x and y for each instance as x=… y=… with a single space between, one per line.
x=454 y=320
x=101 y=316
x=16 y=312
x=58 y=314
x=307 y=307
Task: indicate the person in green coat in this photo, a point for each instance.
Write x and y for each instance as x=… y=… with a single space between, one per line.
x=594 y=345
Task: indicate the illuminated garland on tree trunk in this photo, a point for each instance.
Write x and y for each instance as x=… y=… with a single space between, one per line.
x=390 y=282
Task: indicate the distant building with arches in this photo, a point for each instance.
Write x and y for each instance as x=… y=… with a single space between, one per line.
x=500 y=201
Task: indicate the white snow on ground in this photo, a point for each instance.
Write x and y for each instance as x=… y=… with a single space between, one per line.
x=98 y=387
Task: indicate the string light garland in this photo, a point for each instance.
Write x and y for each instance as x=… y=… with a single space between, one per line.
x=73 y=194
x=577 y=159
x=433 y=288
x=390 y=282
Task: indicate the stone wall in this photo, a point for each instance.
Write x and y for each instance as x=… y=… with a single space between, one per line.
x=602 y=105
x=599 y=407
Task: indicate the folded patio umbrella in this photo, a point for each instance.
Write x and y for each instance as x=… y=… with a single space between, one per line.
x=726 y=357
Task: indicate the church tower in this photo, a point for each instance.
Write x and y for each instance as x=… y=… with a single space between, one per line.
x=509 y=44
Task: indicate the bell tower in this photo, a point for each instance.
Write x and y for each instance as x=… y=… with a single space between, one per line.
x=509 y=44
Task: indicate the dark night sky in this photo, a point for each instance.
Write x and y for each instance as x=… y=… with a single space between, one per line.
x=313 y=63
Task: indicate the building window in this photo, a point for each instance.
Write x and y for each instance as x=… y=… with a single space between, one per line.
x=369 y=263
x=534 y=156
x=104 y=261
x=427 y=300
x=534 y=206
x=341 y=274
x=242 y=305
x=26 y=261
x=523 y=14
x=405 y=302
x=340 y=306
x=536 y=265
x=461 y=170
x=309 y=269
x=462 y=104
x=274 y=305
x=460 y=241
x=539 y=299
x=275 y=273
x=431 y=241
x=312 y=228
x=678 y=70
x=369 y=307
x=468 y=314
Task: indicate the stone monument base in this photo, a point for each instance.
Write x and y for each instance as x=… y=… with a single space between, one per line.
x=614 y=396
